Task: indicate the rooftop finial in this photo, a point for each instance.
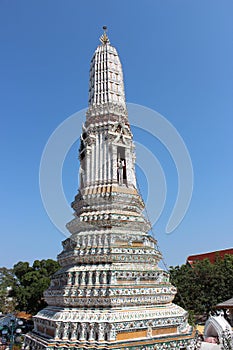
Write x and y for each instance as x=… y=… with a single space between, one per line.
x=104 y=38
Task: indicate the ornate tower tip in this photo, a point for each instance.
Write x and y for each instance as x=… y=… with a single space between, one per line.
x=104 y=38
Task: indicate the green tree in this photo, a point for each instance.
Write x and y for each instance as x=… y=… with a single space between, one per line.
x=203 y=285
x=7 y=303
x=31 y=282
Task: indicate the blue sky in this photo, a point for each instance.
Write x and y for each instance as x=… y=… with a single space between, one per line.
x=177 y=59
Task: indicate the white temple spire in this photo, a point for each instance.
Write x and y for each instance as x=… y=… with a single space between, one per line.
x=110 y=292
x=106 y=77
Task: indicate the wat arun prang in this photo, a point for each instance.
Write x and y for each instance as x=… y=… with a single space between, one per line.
x=110 y=292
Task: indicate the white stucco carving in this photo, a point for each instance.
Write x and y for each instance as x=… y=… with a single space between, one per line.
x=109 y=283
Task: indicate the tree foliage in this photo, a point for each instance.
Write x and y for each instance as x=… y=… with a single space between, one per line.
x=7 y=303
x=27 y=284
x=203 y=285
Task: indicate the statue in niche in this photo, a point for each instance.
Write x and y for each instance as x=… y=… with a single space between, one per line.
x=81 y=177
x=149 y=332
x=120 y=170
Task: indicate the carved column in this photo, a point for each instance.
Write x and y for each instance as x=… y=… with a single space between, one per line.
x=65 y=331
x=97 y=159
x=101 y=331
x=91 y=332
x=92 y=164
x=57 y=331
x=101 y=151
x=94 y=239
x=89 y=241
x=88 y=166
x=83 y=280
x=98 y=240
x=74 y=331
x=97 y=278
x=104 y=277
x=82 y=331
x=109 y=155
x=76 y=278
x=105 y=160
x=112 y=335
x=105 y=241
x=128 y=161
x=114 y=163
x=93 y=278
x=69 y=279
x=113 y=278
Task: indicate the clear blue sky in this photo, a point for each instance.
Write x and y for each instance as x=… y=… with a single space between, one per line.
x=177 y=59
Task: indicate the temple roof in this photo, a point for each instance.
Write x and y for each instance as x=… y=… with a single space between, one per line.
x=212 y=256
x=106 y=83
x=226 y=304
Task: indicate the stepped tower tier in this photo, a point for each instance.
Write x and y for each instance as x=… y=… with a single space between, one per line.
x=106 y=85
x=110 y=292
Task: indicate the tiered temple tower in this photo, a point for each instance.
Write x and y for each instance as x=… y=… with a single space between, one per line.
x=110 y=292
